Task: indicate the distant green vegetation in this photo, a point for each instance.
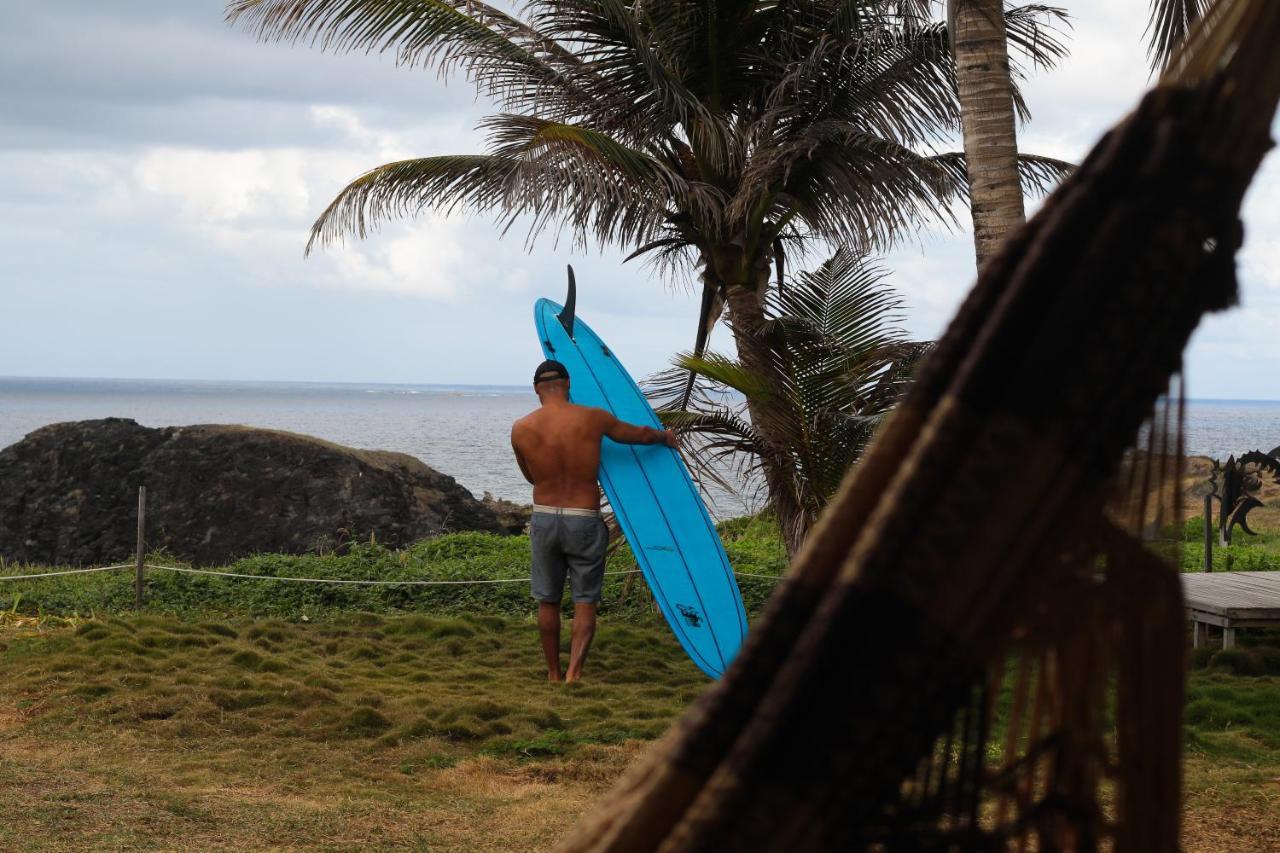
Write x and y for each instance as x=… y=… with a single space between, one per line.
x=752 y=544
x=1245 y=554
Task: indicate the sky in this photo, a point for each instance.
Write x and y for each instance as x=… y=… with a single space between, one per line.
x=159 y=172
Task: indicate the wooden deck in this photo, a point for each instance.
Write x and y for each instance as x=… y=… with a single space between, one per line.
x=1231 y=600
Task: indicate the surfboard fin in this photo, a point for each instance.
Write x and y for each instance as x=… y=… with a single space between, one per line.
x=566 y=315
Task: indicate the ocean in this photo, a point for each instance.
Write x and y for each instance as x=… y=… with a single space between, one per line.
x=462 y=430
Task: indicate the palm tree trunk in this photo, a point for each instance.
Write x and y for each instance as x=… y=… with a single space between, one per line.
x=746 y=316
x=981 y=55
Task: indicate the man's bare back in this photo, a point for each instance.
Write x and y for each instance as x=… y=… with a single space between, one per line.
x=558 y=448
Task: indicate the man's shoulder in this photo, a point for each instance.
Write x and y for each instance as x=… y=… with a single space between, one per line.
x=594 y=414
x=590 y=411
x=524 y=421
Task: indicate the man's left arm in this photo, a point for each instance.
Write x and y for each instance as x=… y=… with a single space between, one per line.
x=625 y=433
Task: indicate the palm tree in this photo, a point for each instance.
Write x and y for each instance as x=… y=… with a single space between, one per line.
x=714 y=136
x=833 y=336
x=988 y=102
x=979 y=44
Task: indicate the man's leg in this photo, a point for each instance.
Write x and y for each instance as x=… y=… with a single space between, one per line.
x=586 y=576
x=548 y=571
x=584 y=631
x=549 y=631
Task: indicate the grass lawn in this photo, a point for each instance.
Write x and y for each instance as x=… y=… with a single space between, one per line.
x=407 y=731
x=1232 y=762
x=249 y=715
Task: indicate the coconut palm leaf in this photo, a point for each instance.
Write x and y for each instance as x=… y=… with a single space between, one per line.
x=1033 y=32
x=843 y=182
x=630 y=51
x=1039 y=175
x=837 y=360
x=475 y=183
x=723 y=370
x=846 y=301
x=1170 y=22
x=553 y=169
x=505 y=56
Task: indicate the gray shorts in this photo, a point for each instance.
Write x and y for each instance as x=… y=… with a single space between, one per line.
x=568 y=544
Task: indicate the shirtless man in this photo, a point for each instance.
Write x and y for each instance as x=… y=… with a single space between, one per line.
x=558 y=448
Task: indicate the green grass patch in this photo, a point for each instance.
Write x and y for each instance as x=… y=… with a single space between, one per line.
x=171 y=727
x=752 y=544
x=1246 y=553
x=481 y=695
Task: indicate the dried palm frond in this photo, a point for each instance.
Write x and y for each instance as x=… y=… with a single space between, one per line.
x=993 y=527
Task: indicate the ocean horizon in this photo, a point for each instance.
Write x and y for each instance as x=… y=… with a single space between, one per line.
x=461 y=429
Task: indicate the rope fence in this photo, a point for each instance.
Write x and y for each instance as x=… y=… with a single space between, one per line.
x=357 y=582
x=140 y=566
x=347 y=581
x=67 y=572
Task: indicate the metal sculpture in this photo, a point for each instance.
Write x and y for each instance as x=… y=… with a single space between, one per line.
x=1233 y=485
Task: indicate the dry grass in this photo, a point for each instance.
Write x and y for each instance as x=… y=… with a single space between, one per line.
x=409 y=732
x=1231 y=805
x=406 y=732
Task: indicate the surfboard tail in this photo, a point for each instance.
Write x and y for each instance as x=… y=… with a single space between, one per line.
x=570 y=300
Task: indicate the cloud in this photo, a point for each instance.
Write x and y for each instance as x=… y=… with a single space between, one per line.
x=425 y=261
x=260 y=203
x=384 y=144
x=79 y=72
x=223 y=187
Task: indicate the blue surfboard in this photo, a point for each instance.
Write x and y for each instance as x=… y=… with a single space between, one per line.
x=654 y=498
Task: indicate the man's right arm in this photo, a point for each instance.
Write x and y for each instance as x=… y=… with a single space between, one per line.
x=524 y=466
x=625 y=433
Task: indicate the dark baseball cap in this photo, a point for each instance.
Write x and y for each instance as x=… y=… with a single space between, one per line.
x=548 y=370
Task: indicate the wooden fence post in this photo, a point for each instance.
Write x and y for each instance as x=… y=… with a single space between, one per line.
x=1208 y=533
x=139 y=568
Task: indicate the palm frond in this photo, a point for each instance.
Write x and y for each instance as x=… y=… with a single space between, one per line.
x=839 y=362
x=847 y=300
x=634 y=53
x=1169 y=24
x=1034 y=34
x=728 y=372
x=859 y=189
x=505 y=56
x=665 y=389
x=475 y=182
x=523 y=136
x=556 y=173
x=1039 y=175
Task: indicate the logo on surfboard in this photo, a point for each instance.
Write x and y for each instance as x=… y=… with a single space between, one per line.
x=690 y=615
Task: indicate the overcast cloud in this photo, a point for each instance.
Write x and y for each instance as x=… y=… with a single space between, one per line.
x=160 y=171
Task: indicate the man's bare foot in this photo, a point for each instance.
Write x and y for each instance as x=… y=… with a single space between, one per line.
x=555 y=678
x=571 y=677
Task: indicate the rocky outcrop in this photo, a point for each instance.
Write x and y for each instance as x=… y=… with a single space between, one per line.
x=513 y=517
x=68 y=494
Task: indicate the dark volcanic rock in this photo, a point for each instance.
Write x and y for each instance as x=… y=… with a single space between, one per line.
x=68 y=494
x=513 y=517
